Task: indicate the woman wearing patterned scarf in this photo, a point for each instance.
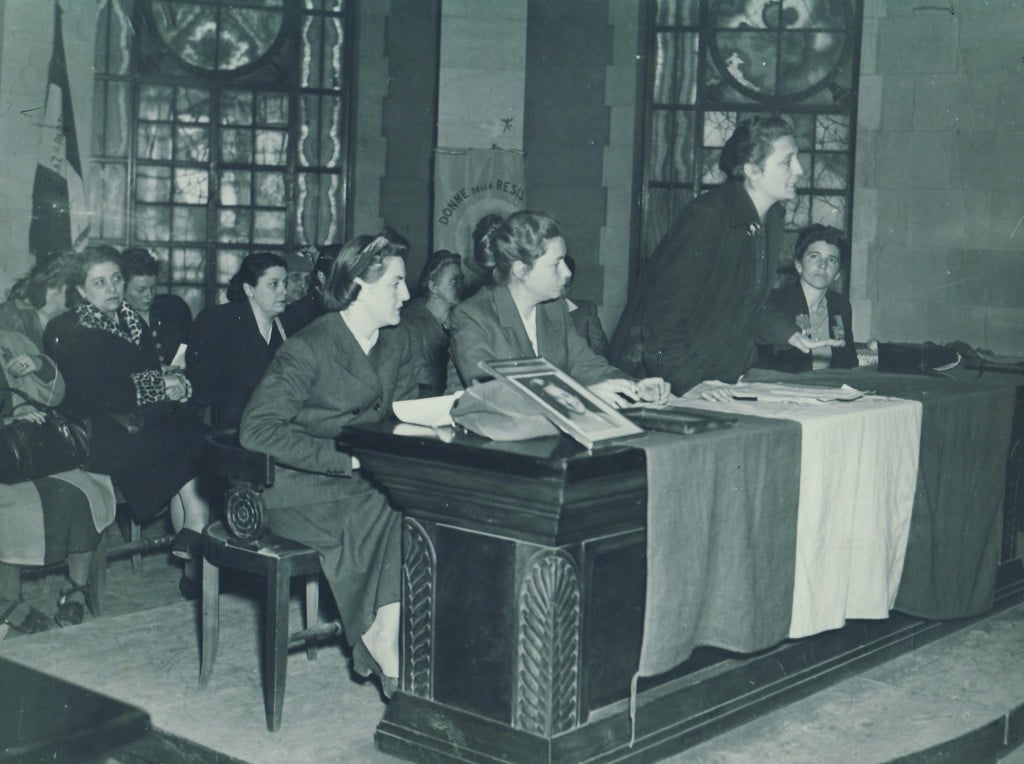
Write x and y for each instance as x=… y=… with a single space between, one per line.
x=142 y=434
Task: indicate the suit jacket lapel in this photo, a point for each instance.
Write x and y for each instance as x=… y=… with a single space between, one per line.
x=511 y=322
x=351 y=356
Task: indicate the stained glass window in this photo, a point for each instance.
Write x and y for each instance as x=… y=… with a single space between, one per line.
x=712 y=63
x=238 y=140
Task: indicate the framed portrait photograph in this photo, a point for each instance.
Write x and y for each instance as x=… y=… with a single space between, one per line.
x=570 y=406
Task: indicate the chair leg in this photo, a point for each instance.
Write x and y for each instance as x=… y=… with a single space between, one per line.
x=312 y=611
x=211 y=621
x=275 y=642
x=136 y=534
x=98 y=575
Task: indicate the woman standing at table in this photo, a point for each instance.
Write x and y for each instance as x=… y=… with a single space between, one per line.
x=693 y=316
x=525 y=314
x=807 y=325
x=345 y=368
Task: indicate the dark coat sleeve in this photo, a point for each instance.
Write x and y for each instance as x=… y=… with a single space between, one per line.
x=98 y=369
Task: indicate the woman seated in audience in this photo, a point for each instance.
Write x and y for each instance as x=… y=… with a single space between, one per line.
x=35 y=299
x=167 y=317
x=525 y=315
x=480 y=267
x=231 y=344
x=50 y=519
x=298 y=314
x=142 y=435
x=584 y=315
x=345 y=368
x=425 y=318
x=806 y=325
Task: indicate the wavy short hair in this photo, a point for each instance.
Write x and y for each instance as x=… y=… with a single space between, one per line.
x=752 y=141
x=253 y=266
x=360 y=258
x=825 y=233
x=433 y=267
x=521 y=237
x=50 y=274
x=136 y=261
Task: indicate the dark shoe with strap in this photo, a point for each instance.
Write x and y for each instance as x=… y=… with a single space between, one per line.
x=72 y=603
x=23 y=618
x=189 y=588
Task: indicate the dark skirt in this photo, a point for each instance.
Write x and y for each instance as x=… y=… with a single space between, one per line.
x=67 y=520
x=149 y=467
x=359 y=541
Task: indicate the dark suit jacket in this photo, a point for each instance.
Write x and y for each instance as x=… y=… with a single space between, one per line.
x=487 y=326
x=170 y=322
x=588 y=326
x=319 y=382
x=693 y=315
x=777 y=323
x=226 y=358
x=299 y=314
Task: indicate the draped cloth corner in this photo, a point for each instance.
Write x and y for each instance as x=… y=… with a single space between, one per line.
x=720 y=561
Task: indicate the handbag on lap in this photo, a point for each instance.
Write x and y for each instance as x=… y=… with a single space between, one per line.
x=29 y=450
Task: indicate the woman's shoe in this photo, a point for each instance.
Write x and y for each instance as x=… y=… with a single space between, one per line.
x=189 y=588
x=364 y=664
x=22 y=617
x=71 y=612
x=187 y=544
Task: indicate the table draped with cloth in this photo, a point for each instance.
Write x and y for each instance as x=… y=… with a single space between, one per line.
x=802 y=516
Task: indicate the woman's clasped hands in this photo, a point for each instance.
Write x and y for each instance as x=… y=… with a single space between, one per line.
x=177 y=387
x=619 y=393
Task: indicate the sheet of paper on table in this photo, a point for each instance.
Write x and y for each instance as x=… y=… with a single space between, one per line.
x=426 y=412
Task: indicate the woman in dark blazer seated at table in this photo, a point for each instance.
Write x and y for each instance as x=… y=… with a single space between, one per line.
x=231 y=344
x=806 y=325
x=525 y=314
x=344 y=368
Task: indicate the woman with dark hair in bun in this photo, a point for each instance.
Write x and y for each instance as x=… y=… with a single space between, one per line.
x=231 y=345
x=525 y=315
x=693 y=316
x=35 y=299
x=345 y=368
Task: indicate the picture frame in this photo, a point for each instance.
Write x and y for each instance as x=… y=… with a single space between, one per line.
x=567 y=404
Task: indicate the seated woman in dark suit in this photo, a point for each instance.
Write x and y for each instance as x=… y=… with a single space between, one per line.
x=142 y=436
x=231 y=344
x=806 y=325
x=524 y=315
x=344 y=368
x=584 y=316
x=298 y=314
x=49 y=519
x=167 y=316
x=425 y=318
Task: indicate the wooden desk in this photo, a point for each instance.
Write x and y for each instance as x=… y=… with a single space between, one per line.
x=523 y=589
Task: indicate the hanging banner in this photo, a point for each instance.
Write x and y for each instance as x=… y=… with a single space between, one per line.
x=60 y=217
x=470 y=184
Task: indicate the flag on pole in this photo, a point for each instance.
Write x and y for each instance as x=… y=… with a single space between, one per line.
x=60 y=218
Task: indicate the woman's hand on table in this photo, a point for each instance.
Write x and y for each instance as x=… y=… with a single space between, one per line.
x=22 y=365
x=617 y=393
x=805 y=344
x=653 y=390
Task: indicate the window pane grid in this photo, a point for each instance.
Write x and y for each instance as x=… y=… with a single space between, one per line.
x=210 y=169
x=703 y=77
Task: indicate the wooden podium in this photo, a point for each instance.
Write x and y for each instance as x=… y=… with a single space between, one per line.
x=523 y=592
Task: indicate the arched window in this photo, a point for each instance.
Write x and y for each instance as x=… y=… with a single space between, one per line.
x=712 y=63
x=220 y=128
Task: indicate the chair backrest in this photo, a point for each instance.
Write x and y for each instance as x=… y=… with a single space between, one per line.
x=225 y=458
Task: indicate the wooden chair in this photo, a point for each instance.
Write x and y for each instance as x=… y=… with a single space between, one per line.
x=274 y=559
